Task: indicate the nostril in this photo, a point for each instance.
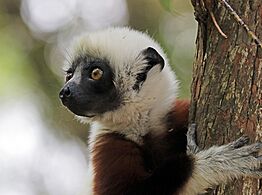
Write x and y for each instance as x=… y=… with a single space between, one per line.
x=65 y=93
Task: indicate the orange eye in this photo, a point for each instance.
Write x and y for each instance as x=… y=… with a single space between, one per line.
x=96 y=74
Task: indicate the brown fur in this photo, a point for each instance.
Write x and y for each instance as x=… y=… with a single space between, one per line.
x=118 y=163
x=180 y=113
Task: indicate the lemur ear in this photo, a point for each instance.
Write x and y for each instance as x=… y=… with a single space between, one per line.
x=153 y=58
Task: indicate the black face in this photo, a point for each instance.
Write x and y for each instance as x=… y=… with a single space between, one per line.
x=89 y=89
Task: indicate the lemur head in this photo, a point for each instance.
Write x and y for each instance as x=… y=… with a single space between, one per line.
x=118 y=77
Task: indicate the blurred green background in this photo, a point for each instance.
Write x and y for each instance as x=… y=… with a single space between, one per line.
x=34 y=35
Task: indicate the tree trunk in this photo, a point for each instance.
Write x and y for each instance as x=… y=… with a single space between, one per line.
x=227 y=81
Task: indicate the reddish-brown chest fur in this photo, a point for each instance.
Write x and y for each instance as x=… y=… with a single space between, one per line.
x=118 y=163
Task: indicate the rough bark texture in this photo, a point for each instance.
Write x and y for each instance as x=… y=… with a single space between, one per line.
x=227 y=82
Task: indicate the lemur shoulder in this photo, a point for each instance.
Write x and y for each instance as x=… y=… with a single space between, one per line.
x=120 y=81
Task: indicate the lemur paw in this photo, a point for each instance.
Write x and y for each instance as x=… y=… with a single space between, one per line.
x=239 y=142
x=192 y=147
x=247 y=157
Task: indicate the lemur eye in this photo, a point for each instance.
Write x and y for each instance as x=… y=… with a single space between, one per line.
x=96 y=74
x=69 y=75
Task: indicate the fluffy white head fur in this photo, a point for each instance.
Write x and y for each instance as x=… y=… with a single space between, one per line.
x=140 y=111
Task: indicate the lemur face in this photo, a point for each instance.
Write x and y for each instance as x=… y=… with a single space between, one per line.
x=116 y=69
x=89 y=89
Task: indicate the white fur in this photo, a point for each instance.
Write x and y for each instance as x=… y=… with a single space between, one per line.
x=140 y=112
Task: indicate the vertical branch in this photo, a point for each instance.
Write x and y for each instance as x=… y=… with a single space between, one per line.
x=227 y=78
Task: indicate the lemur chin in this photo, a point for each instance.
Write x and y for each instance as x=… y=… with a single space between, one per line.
x=121 y=82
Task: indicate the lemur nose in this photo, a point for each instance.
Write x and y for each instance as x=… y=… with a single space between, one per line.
x=65 y=93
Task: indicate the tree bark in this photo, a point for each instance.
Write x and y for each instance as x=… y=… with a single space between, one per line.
x=227 y=81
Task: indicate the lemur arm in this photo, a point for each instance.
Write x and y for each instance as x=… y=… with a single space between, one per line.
x=220 y=164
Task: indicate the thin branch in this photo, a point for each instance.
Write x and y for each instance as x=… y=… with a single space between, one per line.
x=242 y=23
x=209 y=5
x=217 y=25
